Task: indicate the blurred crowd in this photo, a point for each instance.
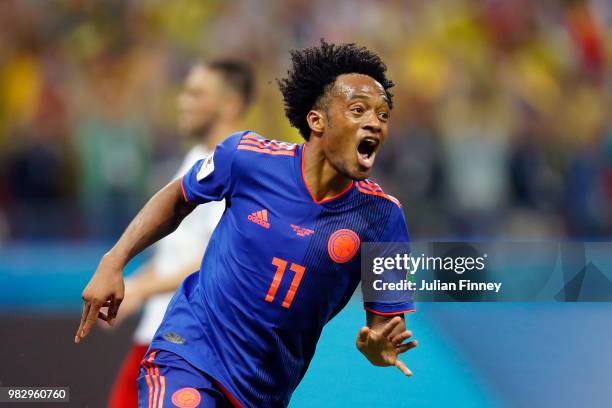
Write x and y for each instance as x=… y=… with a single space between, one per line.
x=502 y=126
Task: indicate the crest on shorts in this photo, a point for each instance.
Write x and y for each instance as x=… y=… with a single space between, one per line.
x=186 y=398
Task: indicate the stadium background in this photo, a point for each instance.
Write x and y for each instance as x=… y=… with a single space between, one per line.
x=502 y=130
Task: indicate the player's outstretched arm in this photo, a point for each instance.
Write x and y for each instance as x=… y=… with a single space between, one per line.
x=382 y=341
x=158 y=218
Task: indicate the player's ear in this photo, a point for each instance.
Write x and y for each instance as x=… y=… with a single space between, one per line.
x=316 y=121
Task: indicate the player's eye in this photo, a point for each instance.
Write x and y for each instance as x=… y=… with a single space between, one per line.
x=357 y=109
x=384 y=116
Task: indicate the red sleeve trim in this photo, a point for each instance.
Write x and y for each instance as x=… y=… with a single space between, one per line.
x=183 y=190
x=389 y=313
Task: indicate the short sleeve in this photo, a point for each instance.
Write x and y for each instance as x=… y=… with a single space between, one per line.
x=397 y=230
x=210 y=179
x=397 y=303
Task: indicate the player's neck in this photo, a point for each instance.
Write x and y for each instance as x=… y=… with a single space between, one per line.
x=322 y=179
x=219 y=132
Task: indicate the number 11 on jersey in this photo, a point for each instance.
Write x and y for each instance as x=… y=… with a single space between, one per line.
x=281 y=266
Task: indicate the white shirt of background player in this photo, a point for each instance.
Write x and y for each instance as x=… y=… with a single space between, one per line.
x=179 y=250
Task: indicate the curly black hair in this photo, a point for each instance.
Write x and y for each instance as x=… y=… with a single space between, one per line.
x=314 y=71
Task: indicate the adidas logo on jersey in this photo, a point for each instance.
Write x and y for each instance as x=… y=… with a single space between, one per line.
x=260 y=218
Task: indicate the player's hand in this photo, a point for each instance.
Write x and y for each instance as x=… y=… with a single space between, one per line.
x=383 y=346
x=104 y=290
x=133 y=300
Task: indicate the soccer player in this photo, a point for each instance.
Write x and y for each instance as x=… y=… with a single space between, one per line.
x=215 y=96
x=284 y=259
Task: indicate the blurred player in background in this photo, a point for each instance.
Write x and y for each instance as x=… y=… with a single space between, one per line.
x=284 y=259
x=214 y=99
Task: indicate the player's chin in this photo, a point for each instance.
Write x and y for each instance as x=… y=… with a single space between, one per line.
x=354 y=170
x=360 y=173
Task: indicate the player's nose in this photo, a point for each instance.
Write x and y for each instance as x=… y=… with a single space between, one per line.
x=372 y=123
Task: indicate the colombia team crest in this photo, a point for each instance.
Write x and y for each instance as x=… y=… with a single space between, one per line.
x=343 y=245
x=186 y=398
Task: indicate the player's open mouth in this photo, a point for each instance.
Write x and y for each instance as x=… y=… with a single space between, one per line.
x=366 y=151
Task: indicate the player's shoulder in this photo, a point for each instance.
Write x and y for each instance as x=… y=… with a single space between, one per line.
x=252 y=144
x=253 y=155
x=374 y=191
x=255 y=145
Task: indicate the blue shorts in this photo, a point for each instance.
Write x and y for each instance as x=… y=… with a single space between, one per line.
x=167 y=380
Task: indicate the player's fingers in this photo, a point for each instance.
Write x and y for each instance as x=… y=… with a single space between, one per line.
x=362 y=336
x=93 y=312
x=92 y=316
x=405 y=347
x=402 y=367
x=86 y=306
x=390 y=325
x=113 y=308
x=400 y=338
x=107 y=318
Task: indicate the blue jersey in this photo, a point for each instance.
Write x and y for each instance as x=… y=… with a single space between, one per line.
x=277 y=268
